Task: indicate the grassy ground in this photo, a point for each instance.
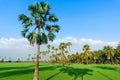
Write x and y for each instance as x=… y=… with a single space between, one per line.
x=24 y=71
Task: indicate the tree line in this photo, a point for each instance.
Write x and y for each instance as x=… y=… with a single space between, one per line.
x=61 y=54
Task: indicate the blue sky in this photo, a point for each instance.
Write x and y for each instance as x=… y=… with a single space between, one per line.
x=93 y=22
x=96 y=19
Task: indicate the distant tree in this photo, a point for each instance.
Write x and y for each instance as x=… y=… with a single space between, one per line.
x=18 y=60
x=48 y=47
x=2 y=60
x=62 y=48
x=68 y=45
x=118 y=52
x=109 y=51
x=86 y=49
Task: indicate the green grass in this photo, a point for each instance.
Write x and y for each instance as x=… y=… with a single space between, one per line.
x=24 y=71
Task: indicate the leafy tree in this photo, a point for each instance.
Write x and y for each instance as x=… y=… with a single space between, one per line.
x=109 y=51
x=38 y=28
x=69 y=44
x=48 y=47
x=86 y=49
x=62 y=48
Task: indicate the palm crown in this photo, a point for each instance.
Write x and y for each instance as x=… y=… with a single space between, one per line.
x=36 y=27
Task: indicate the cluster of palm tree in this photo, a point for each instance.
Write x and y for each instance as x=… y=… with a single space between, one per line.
x=59 y=54
x=108 y=55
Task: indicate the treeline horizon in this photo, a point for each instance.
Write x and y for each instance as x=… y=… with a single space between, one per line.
x=61 y=54
x=107 y=55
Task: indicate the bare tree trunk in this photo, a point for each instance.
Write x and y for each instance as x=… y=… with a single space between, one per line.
x=36 y=73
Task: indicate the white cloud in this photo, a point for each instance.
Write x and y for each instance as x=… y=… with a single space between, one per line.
x=77 y=44
x=15 y=47
x=20 y=47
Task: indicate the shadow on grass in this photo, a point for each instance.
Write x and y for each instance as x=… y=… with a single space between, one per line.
x=17 y=71
x=53 y=76
x=104 y=75
x=48 y=68
x=76 y=72
x=109 y=68
x=14 y=68
x=106 y=67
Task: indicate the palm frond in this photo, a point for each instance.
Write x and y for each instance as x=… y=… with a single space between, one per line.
x=53 y=18
x=55 y=28
x=51 y=36
x=46 y=8
x=23 y=33
x=32 y=38
x=52 y=28
x=26 y=21
x=48 y=28
x=42 y=38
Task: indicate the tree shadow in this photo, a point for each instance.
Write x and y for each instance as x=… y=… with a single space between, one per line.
x=76 y=72
x=53 y=76
x=17 y=71
x=105 y=67
x=108 y=68
x=14 y=68
x=48 y=68
x=104 y=75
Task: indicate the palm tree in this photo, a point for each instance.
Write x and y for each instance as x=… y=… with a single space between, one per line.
x=48 y=47
x=86 y=49
x=109 y=51
x=56 y=50
x=36 y=27
x=53 y=48
x=69 y=44
x=94 y=56
x=62 y=48
x=28 y=59
x=118 y=51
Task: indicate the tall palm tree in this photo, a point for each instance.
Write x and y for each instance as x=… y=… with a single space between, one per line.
x=48 y=47
x=53 y=49
x=118 y=50
x=109 y=51
x=86 y=49
x=69 y=44
x=94 y=56
x=36 y=27
x=62 y=48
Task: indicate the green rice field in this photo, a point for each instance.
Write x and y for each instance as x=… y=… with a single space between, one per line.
x=24 y=71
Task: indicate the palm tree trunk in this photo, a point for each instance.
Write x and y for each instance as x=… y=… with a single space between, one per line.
x=36 y=73
x=112 y=60
x=63 y=57
x=87 y=60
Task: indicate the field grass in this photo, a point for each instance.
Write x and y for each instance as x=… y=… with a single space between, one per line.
x=24 y=71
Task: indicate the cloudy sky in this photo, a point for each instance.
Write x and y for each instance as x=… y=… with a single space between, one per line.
x=93 y=22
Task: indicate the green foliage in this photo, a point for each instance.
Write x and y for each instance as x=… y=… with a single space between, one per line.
x=36 y=29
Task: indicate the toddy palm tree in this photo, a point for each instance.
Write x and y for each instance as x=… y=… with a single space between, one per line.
x=62 y=48
x=36 y=27
x=48 y=47
x=109 y=51
x=69 y=44
x=86 y=49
